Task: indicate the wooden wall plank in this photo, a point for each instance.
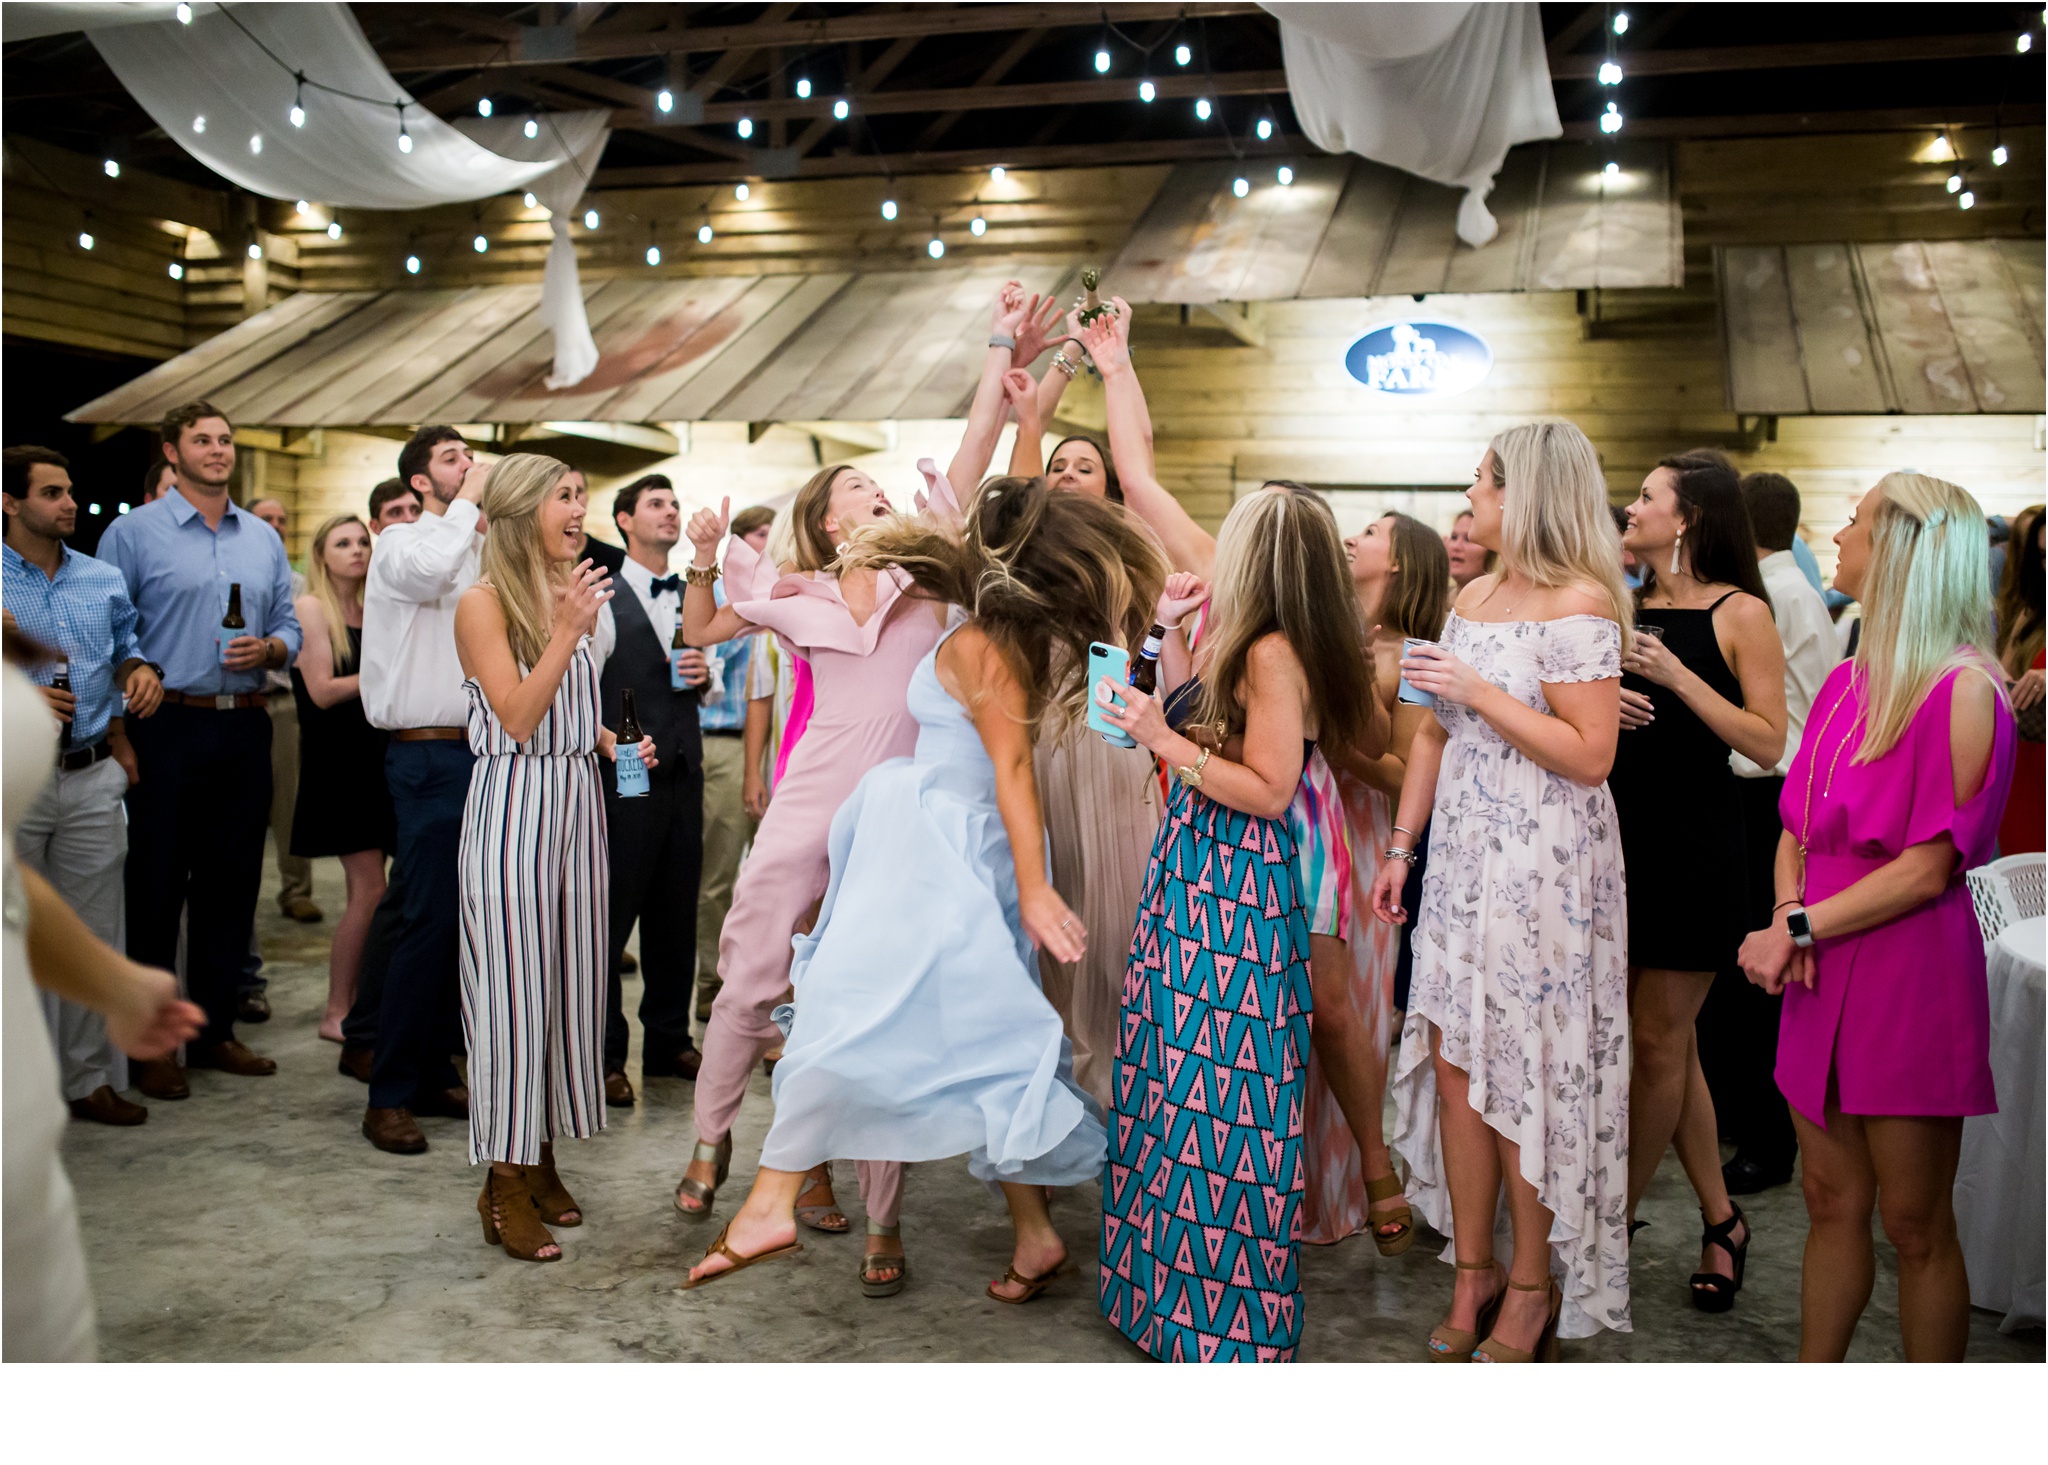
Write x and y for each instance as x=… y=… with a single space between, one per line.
x=455 y=386
x=2026 y=264
x=1922 y=359
x=427 y=353
x=379 y=329
x=940 y=393
x=1418 y=257
x=636 y=340
x=1354 y=243
x=845 y=328
x=878 y=371
x=1153 y=262
x=1840 y=361
x=2003 y=359
x=746 y=354
x=1759 y=338
x=1515 y=204
x=515 y=389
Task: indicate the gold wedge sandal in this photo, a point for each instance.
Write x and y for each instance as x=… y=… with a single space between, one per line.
x=1403 y=1216
x=872 y=1285
x=697 y=1190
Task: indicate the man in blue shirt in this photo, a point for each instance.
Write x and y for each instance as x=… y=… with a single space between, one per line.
x=197 y=816
x=75 y=834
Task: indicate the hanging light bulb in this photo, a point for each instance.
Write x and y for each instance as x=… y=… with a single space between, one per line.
x=703 y=233
x=1265 y=128
x=590 y=218
x=840 y=109
x=1286 y=176
x=199 y=124
x=654 y=254
x=740 y=191
x=937 y=248
x=1955 y=183
x=1240 y=186
x=84 y=240
x=480 y=244
x=664 y=101
x=529 y=200
x=1610 y=120
x=298 y=112
x=2026 y=42
x=1610 y=73
x=405 y=142
x=1202 y=108
x=531 y=129
x=483 y=106
x=255 y=251
x=1611 y=169
x=803 y=87
x=995 y=174
x=412 y=264
x=303 y=207
x=1998 y=156
x=113 y=169
x=1621 y=22
x=888 y=208
x=177 y=270
x=255 y=142
x=977 y=226
x=1101 y=60
x=745 y=127
x=334 y=230
x=1968 y=200
x=298 y=115
x=1147 y=91
x=1182 y=55
x=184 y=13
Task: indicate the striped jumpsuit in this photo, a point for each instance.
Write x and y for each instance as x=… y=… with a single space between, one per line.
x=535 y=893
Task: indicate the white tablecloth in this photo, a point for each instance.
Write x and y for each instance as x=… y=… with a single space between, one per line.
x=2000 y=1182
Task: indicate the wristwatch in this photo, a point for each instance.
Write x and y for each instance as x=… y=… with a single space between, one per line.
x=1800 y=929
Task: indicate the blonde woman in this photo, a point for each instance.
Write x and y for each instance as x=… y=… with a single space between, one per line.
x=343 y=807
x=1897 y=789
x=1515 y=1057
x=534 y=879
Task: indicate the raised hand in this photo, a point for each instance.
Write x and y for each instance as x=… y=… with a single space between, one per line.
x=1108 y=339
x=1022 y=393
x=1182 y=594
x=1010 y=309
x=707 y=531
x=590 y=586
x=1041 y=315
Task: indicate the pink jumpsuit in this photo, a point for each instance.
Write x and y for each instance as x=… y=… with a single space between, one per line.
x=861 y=673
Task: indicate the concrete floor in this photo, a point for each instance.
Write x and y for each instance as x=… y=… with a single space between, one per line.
x=252 y=1222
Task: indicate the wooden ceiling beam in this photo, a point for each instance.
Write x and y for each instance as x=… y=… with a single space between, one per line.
x=1702 y=59
x=1786 y=124
x=1575 y=30
x=1022 y=45
x=868 y=25
x=872 y=76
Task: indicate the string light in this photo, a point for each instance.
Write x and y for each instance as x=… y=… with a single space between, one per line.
x=2026 y=42
x=483 y=106
x=255 y=251
x=334 y=230
x=304 y=207
x=654 y=254
x=529 y=200
x=1182 y=55
x=1610 y=120
x=740 y=191
x=937 y=248
x=1955 y=183
x=121 y=508
x=111 y=168
x=1286 y=176
x=977 y=226
x=703 y=233
x=199 y=124
x=1101 y=60
x=1999 y=155
x=1147 y=91
x=1621 y=22
x=256 y=142
x=404 y=137
x=1610 y=73
x=1968 y=200
x=298 y=112
x=590 y=218
x=184 y=13
x=177 y=270
x=1202 y=108
x=1611 y=169
x=412 y=264
x=480 y=244
x=93 y=509
x=664 y=101
x=84 y=240
x=531 y=129
x=1265 y=128
x=1240 y=186
x=745 y=127
x=995 y=174
x=889 y=208
x=840 y=109
x=803 y=87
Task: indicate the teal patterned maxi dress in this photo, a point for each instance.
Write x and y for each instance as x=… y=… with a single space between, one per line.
x=1201 y=1197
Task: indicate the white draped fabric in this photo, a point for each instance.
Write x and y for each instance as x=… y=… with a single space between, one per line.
x=24 y=20
x=1999 y=1175
x=577 y=140
x=1440 y=91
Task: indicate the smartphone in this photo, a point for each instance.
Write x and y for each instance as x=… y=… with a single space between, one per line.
x=1114 y=663
x=1414 y=696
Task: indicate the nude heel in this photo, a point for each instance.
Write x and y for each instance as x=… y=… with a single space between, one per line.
x=1454 y=1345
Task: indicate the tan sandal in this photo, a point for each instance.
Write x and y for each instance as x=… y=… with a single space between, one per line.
x=1547 y=1349
x=557 y=1206
x=1454 y=1345
x=511 y=1219
x=1032 y=1285
x=1402 y=1217
x=739 y=1263
x=697 y=1190
x=821 y=1218
x=872 y=1285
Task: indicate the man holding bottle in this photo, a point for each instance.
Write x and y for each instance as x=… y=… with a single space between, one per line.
x=198 y=813
x=657 y=838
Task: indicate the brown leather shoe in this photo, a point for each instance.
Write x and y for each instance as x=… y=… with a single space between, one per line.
x=683 y=1065
x=255 y=1007
x=160 y=1078
x=230 y=1057
x=356 y=1063
x=298 y=908
x=104 y=1106
x=618 y=1089
x=393 y=1131
x=444 y=1104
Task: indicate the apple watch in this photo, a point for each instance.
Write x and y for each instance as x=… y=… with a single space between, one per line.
x=1798 y=927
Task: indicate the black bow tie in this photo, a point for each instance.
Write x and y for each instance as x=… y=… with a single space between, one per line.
x=673 y=584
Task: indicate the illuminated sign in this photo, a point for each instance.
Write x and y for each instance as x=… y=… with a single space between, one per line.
x=1419 y=358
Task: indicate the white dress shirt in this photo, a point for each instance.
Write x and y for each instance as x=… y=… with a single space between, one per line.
x=663 y=609
x=411 y=676
x=1811 y=652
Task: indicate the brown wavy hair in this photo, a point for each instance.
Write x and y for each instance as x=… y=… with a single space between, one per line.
x=1042 y=574
x=1418 y=600
x=812 y=549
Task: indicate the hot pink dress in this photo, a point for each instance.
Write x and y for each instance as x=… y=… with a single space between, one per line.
x=1898 y=1021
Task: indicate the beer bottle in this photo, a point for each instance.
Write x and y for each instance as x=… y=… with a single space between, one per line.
x=676 y=648
x=62 y=682
x=631 y=771
x=1145 y=670
x=232 y=624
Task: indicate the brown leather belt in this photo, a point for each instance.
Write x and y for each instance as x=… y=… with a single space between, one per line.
x=429 y=735
x=224 y=702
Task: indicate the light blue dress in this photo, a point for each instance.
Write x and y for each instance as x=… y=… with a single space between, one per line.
x=919 y=1029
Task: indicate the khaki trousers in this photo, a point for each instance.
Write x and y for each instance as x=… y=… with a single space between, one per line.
x=294 y=873
x=727 y=832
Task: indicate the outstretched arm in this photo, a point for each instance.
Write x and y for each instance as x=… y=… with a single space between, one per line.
x=1188 y=544
x=705 y=621
x=1027 y=454
x=985 y=415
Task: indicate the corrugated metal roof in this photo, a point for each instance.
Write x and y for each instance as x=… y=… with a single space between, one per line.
x=824 y=347
x=1947 y=326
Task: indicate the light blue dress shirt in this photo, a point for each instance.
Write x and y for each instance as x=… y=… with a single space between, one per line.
x=729 y=712
x=178 y=572
x=84 y=613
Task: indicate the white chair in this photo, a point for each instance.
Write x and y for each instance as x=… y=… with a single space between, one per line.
x=2008 y=890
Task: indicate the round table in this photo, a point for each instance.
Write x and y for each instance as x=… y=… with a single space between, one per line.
x=1999 y=1181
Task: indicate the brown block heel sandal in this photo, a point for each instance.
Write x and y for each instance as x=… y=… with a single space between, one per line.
x=1547 y=1349
x=511 y=1219
x=1032 y=1285
x=1401 y=1217
x=883 y=1285
x=1454 y=1345
x=739 y=1263
x=557 y=1206
x=697 y=1190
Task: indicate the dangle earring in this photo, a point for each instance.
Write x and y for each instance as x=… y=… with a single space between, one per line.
x=1674 y=550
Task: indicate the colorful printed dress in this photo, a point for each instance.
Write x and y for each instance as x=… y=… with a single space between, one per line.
x=1202 y=1193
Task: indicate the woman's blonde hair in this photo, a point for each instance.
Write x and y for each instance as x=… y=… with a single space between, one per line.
x=1041 y=573
x=320 y=585
x=1926 y=602
x=1280 y=567
x=514 y=564
x=1556 y=527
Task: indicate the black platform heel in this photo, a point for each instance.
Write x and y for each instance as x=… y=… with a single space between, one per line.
x=1712 y=1292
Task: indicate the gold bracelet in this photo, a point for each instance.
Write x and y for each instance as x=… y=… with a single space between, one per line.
x=705 y=577
x=1192 y=777
x=1059 y=359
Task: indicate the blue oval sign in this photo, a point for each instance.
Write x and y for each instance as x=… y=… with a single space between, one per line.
x=1419 y=358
